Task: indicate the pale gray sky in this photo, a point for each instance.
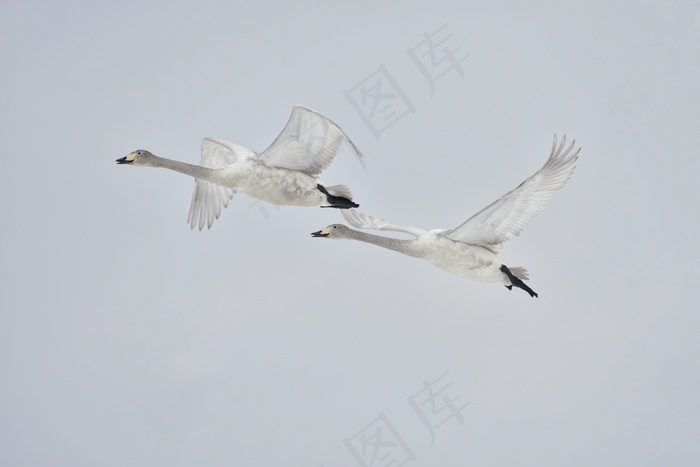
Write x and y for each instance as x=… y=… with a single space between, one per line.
x=128 y=339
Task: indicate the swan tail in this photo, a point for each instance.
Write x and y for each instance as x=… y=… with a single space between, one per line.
x=339 y=190
x=520 y=273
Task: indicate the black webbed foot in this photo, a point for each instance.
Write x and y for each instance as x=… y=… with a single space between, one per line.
x=337 y=202
x=517 y=282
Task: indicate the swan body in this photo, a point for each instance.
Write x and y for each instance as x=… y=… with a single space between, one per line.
x=471 y=249
x=286 y=173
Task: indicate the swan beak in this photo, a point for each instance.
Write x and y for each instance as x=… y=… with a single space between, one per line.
x=321 y=233
x=127 y=159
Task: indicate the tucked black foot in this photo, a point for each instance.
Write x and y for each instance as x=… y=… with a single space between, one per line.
x=516 y=281
x=509 y=287
x=337 y=201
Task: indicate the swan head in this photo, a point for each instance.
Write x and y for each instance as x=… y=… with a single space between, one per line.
x=140 y=157
x=333 y=231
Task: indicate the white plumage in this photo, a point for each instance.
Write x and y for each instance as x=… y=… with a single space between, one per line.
x=286 y=173
x=470 y=250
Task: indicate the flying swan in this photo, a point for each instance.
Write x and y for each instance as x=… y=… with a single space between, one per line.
x=470 y=250
x=286 y=173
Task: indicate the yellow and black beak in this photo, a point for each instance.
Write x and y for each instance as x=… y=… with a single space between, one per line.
x=127 y=159
x=321 y=233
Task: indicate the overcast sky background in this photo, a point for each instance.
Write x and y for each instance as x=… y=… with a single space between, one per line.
x=128 y=339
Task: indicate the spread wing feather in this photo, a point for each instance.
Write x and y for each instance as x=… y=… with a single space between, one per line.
x=363 y=221
x=308 y=143
x=208 y=198
x=510 y=214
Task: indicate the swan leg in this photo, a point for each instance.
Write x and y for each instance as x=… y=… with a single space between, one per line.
x=516 y=281
x=336 y=201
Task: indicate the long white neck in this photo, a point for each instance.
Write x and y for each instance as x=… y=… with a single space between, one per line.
x=402 y=246
x=197 y=171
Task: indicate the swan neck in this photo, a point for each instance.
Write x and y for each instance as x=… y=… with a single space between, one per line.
x=196 y=171
x=402 y=246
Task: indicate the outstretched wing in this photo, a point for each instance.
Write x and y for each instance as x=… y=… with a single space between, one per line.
x=308 y=143
x=207 y=197
x=510 y=214
x=363 y=221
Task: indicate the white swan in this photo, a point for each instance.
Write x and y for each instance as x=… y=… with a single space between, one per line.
x=470 y=250
x=286 y=173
